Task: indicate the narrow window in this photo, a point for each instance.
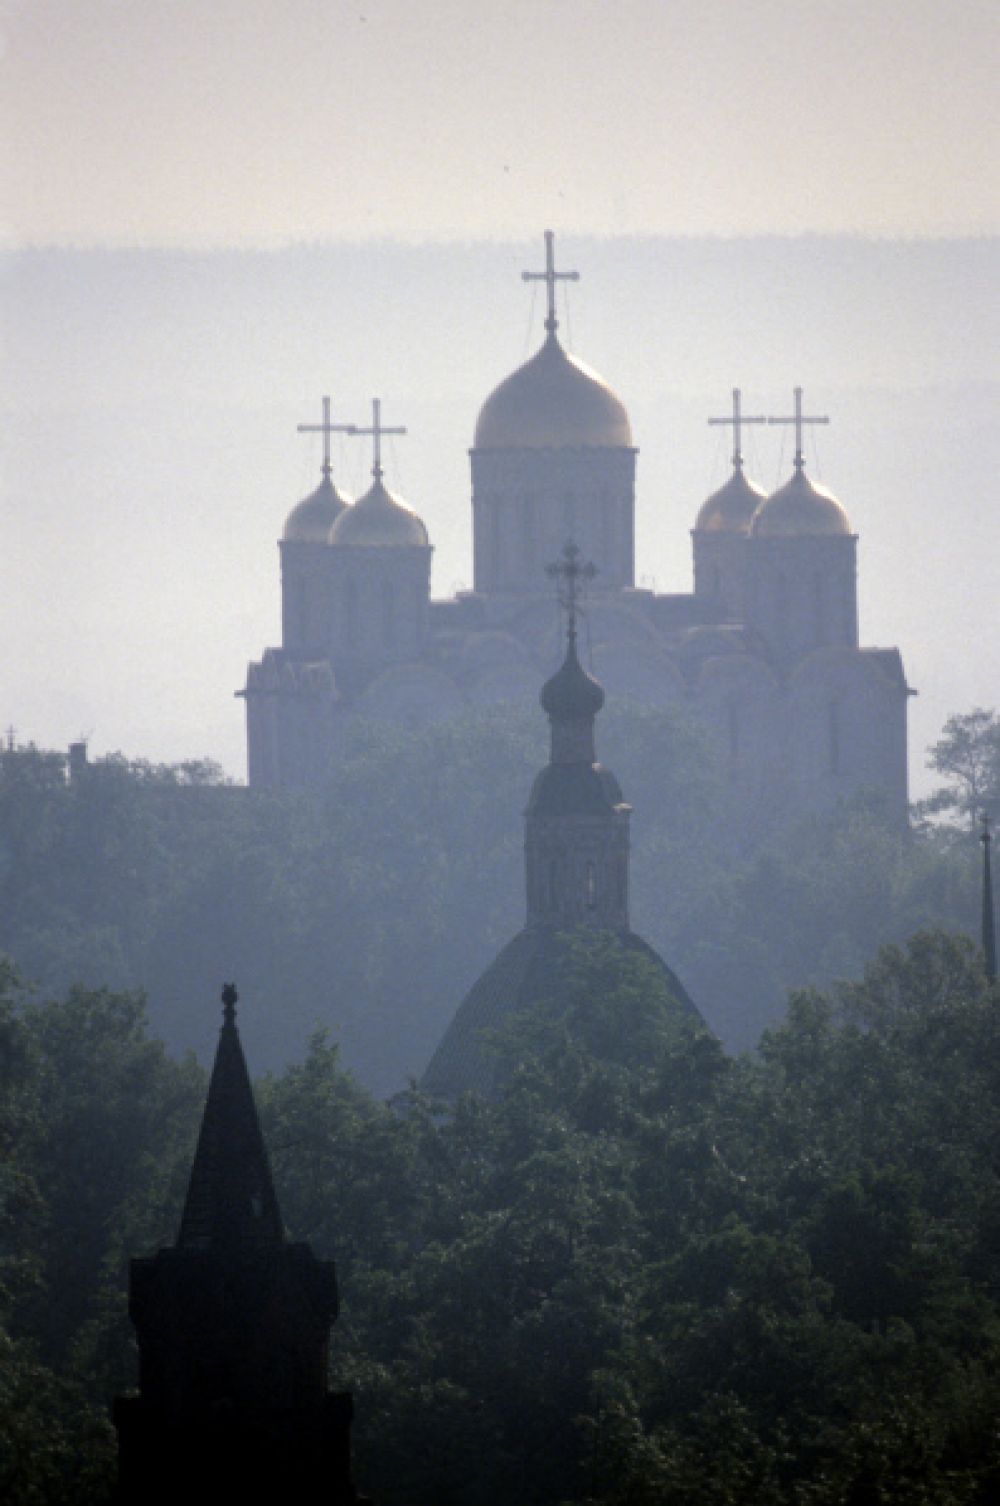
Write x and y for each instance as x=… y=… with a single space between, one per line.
x=553 y=883
x=834 y=737
x=591 y=886
x=733 y=720
x=388 y=615
x=819 y=610
x=351 y=614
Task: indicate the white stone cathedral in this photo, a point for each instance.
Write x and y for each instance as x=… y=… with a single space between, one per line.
x=764 y=653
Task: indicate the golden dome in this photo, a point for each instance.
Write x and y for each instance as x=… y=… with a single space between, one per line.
x=730 y=509
x=800 y=507
x=552 y=402
x=310 y=521
x=377 y=520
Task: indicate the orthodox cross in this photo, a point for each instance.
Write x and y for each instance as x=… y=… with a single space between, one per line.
x=989 y=920
x=798 y=419
x=550 y=277
x=376 y=430
x=737 y=421
x=571 y=576
x=326 y=428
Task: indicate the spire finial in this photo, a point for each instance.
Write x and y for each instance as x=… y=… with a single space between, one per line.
x=326 y=428
x=550 y=277
x=798 y=418
x=571 y=575
x=989 y=915
x=737 y=421
x=229 y=1000
x=376 y=430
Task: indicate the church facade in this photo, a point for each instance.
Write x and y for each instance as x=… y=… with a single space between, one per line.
x=764 y=652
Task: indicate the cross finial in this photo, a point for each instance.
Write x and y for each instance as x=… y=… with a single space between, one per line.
x=550 y=277
x=326 y=428
x=11 y=738
x=229 y=998
x=571 y=576
x=738 y=420
x=376 y=430
x=799 y=419
x=989 y=915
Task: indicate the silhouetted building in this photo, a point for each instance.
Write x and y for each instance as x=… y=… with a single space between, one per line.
x=233 y=1325
x=764 y=653
x=576 y=852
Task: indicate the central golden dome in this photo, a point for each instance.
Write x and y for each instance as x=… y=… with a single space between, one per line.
x=553 y=402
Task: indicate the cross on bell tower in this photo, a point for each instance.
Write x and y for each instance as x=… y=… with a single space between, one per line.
x=376 y=429
x=799 y=419
x=550 y=277
x=571 y=576
x=737 y=421
x=326 y=428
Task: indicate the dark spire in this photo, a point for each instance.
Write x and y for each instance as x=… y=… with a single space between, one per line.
x=231 y=1202
x=989 y=915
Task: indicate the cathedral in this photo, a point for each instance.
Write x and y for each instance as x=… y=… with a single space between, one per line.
x=763 y=653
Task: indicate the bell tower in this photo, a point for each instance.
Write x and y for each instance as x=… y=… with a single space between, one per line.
x=577 y=821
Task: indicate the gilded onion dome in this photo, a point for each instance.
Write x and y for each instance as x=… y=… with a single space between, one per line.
x=800 y=507
x=553 y=401
x=378 y=520
x=310 y=520
x=731 y=508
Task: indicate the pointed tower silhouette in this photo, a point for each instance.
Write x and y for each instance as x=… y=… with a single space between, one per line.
x=233 y=1324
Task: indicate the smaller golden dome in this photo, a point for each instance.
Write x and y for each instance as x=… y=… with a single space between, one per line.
x=730 y=509
x=552 y=402
x=379 y=520
x=310 y=521
x=800 y=507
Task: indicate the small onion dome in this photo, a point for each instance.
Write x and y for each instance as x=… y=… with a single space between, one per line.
x=378 y=519
x=800 y=507
x=571 y=693
x=310 y=521
x=730 y=509
x=552 y=402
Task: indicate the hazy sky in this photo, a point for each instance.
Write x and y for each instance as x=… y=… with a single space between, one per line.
x=233 y=121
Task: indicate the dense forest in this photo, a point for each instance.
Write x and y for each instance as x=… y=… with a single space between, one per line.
x=369 y=908
x=653 y=1271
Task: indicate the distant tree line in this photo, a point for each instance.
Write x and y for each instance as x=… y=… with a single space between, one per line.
x=370 y=907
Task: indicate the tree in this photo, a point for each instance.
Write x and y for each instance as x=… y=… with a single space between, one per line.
x=968 y=755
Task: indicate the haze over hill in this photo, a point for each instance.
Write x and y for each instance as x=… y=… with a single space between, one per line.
x=150 y=452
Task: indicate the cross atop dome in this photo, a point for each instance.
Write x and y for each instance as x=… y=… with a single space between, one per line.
x=799 y=419
x=550 y=277
x=326 y=428
x=571 y=576
x=376 y=429
x=737 y=421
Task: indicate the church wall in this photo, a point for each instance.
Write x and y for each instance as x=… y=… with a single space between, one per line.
x=527 y=504
x=377 y=605
x=720 y=561
x=801 y=592
x=847 y=723
x=305 y=624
